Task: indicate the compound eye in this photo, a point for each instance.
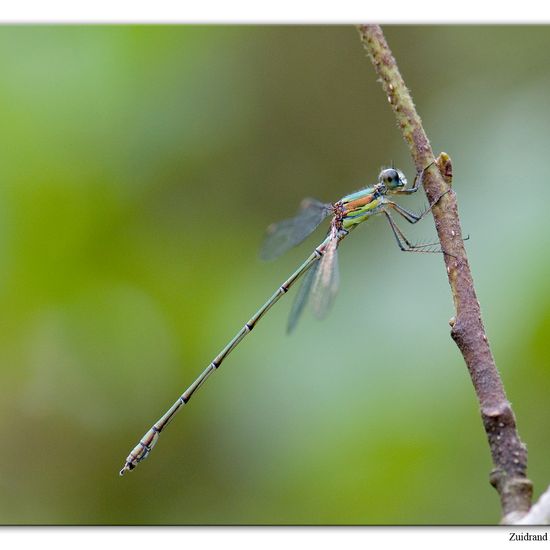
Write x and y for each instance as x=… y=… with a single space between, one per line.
x=390 y=177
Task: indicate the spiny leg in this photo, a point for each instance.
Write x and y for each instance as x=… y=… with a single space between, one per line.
x=430 y=206
x=411 y=217
x=416 y=183
x=398 y=234
x=408 y=246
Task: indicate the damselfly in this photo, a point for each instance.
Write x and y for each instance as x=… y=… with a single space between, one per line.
x=321 y=283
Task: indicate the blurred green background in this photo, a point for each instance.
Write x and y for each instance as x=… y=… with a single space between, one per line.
x=139 y=167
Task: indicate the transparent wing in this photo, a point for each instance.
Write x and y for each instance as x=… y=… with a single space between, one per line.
x=302 y=297
x=319 y=286
x=327 y=280
x=284 y=235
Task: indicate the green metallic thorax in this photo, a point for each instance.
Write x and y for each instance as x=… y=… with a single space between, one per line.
x=359 y=206
x=358 y=195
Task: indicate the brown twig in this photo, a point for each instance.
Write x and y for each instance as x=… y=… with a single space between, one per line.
x=509 y=454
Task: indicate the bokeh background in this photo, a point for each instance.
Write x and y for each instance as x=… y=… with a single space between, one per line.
x=139 y=167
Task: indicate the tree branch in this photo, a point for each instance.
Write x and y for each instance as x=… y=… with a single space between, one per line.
x=509 y=454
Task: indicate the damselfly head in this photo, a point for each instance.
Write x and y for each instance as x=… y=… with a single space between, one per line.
x=393 y=179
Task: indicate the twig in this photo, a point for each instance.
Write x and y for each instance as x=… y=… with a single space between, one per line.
x=509 y=454
x=539 y=513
